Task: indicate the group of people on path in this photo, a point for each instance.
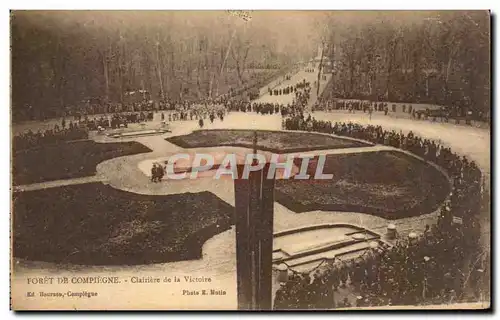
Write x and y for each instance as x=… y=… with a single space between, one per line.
x=422 y=271
x=428 y=271
x=157 y=172
x=58 y=134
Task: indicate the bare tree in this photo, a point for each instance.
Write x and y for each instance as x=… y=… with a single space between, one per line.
x=239 y=52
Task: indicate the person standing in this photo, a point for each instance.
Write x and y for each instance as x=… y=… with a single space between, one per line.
x=161 y=173
x=154 y=172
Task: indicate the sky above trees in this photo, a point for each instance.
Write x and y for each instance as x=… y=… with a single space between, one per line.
x=61 y=57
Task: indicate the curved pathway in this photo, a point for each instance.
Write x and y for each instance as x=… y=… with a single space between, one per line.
x=218 y=260
x=469 y=141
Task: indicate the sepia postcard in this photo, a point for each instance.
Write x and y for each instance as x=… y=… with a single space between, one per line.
x=250 y=160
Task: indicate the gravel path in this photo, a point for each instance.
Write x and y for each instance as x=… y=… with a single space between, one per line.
x=218 y=261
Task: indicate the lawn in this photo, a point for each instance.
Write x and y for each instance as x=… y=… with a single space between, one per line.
x=273 y=141
x=67 y=160
x=388 y=184
x=94 y=224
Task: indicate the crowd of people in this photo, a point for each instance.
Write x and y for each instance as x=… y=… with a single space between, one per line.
x=96 y=106
x=141 y=100
x=445 y=264
x=252 y=89
x=211 y=110
x=203 y=110
x=280 y=91
x=206 y=110
x=429 y=269
x=351 y=105
x=443 y=114
x=420 y=271
x=78 y=128
x=303 y=85
x=117 y=120
x=113 y=120
x=63 y=133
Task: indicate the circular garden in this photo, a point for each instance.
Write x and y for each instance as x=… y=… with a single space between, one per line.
x=95 y=224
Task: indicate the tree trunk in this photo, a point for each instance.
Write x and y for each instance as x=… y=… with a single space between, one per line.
x=319 y=69
x=370 y=84
x=224 y=63
x=390 y=66
x=120 y=71
x=172 y=69
x=212 y=78
x=238 y=73
x=106 y=76
x=198 y=71
x=446 y=80
x=351 y=78
x=158 y=68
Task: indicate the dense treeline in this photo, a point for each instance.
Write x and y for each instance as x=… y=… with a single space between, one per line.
x=422 y=57
x=60 y=58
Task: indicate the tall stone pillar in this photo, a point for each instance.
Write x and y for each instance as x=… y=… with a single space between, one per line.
x=254 y=200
